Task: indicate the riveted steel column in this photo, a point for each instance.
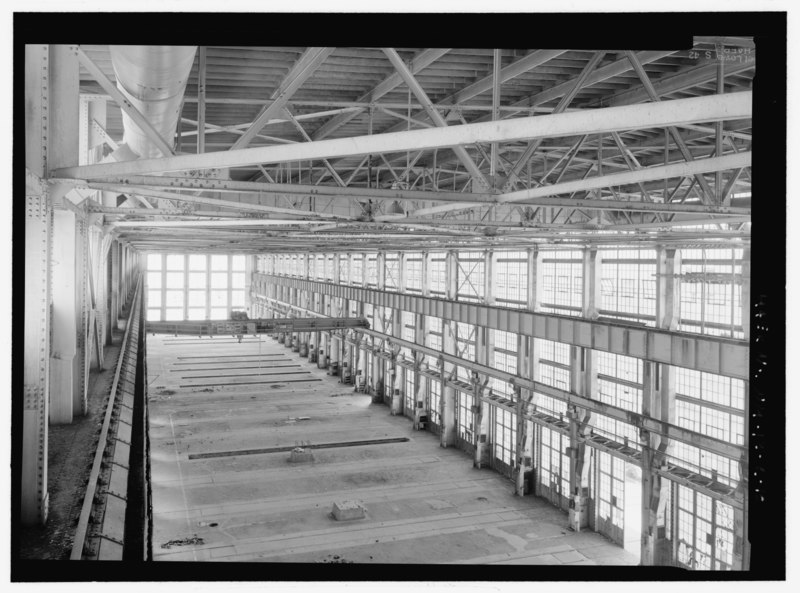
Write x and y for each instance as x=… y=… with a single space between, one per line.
x=527 y=367
x=44 y=123
x=583 y=381
x=658 y=401
x=335 y=308
x=484 y=354
x=398 y=385
x=113 y=293
x=80 y=400
x=64 y=328
x=447 y=401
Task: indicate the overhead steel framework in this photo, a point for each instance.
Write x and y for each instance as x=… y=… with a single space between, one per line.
x=546 y=251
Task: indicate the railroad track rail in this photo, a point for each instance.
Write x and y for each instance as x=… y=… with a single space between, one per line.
x=101 y=530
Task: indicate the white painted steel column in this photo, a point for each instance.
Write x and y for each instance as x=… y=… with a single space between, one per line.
x=447 y=401
x=583 y=381
x=658 y=401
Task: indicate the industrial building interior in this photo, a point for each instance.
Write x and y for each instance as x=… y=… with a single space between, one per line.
x=390 y=305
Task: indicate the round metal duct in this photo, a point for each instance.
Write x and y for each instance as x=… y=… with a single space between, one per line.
x=153 y=78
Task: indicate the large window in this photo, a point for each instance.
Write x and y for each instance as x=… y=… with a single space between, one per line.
x=628 y=284
x=194 y=287
x=470 y=277
x=562 y=282
x=711 y=292
x=511 y=287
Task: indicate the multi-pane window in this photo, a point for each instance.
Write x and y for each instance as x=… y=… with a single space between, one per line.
x=610 y=489
x=392 y=267
x=409 y=394
x=320 y=267
x=471 y=276
x=357 y=269
x=711 y=292
x=620 y=381
x=549 y=405
x=562 y=282
x=433 y=339
x=710 y=404
x=329 y=267
x=409 y=332
x=464 y=416
x=511 y=288
x=615 y=430
x=709 y=464
x=437 y=274
x=505 y=435
x=312 y=266
x=465 y=344
x=435 y=397
x=194 y=287
x=628 y=284
x=505 y=359
x=371 y=270
x=553 y=368
x=554 y=461
x=705 y=530
x=413 y=268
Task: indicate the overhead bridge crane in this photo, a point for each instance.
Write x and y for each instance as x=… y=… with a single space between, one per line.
x=239 y=325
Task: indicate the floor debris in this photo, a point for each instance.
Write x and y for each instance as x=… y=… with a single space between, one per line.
x=187 y=541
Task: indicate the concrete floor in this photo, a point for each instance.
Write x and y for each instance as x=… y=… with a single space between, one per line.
x=424 y=504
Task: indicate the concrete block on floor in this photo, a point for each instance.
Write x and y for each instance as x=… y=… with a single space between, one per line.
x=300 y=455
x=347 y=510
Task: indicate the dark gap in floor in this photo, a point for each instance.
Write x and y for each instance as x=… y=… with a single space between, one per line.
x=217 y=341
x=286 y=448
x=228 y=384
x=226 y=356
x=214 y=376
x=272 y=366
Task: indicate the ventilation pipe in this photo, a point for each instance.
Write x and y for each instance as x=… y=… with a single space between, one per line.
x=153 y=78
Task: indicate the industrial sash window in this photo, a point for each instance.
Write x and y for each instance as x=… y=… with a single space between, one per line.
x=609 y=496
x=549 y=405
x=371 y=270
x=554 y=365
x=504 y=438
x=470 y=277
x=553 y=466
x=392 y=268
x=465 y=344
x=628 y=284
x=435 y=393
x=357 y=269
x=704 y=531
x=562 y=282
x=464 y=418
x=389 y=381
x=511 y=287
x=194 y=287
x=408 y=395
x=505 y=359
x=711 y=292
x=714 y=406
x=437 y=276
x=413 y=269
